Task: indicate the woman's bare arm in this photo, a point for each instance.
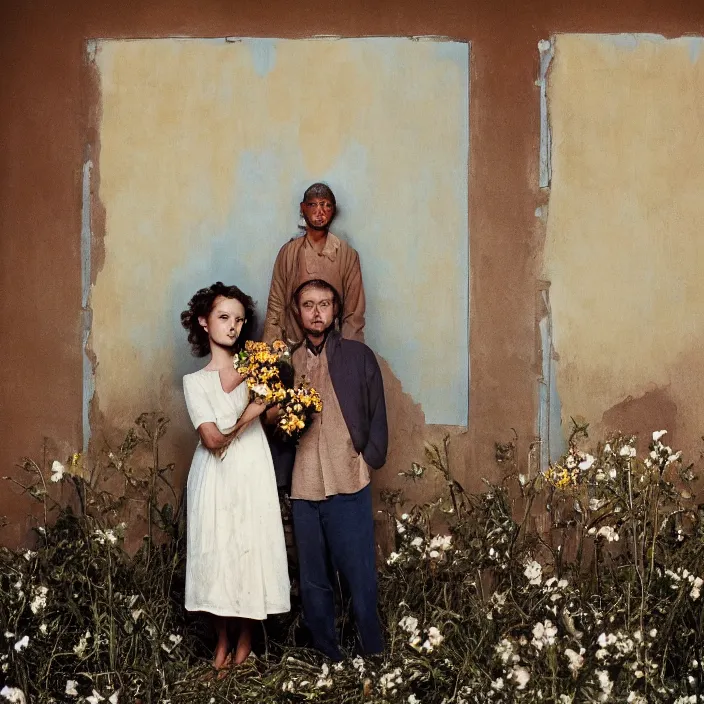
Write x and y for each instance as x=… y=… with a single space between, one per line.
x=214 y=440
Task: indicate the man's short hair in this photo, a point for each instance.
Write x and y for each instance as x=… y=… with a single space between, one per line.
x=320 y=284
x=319 y=190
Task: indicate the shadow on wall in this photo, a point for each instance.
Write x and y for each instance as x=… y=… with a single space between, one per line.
x=652 y=411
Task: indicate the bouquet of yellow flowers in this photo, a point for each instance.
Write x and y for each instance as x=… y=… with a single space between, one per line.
x=262 y=366
x=297 y=411
x=269 y=374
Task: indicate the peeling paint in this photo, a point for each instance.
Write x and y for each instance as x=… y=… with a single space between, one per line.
x=263 y=55
x=88 y=385
x=547 y=51
x=91 y=48
x=695 y=47
x=552 y=443
x=629 y=41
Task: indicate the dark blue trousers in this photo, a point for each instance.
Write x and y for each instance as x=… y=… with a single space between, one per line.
x=340 y=530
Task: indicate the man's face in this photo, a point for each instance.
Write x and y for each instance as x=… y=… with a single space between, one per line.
x=318 y=212
x=317 y=309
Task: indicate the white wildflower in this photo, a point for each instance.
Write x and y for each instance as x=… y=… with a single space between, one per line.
x=412 y=699
x=607 y=448
x=441 y=542
x=260 y=390
x=498 y=599
x=576 y=660
x=658 y=434
x=82 y=644
x=95 y=698
x=136 y=613
x=39 y=600
x=13 y=694
x=434 y=639
x=695 y=593
x=605 y=683
x=358 y=664
x=71 y=688
x=417 y=542
x=324 y=679
x=28 y=554
x=22 y=643
x=409 y=624
x=634 y=698
x=498 y=684
x=400 y=528
x=520 y=677
x=390 y=680
x=533 y=572
x=393 y=557
x=586 y=463
x=175 y=640
x=609 y=533
x=433 y=554
x=595 y=504
x=43 y=629
x=627 y=451
x=57 y=471
x=674 y=457
x=543 y=634
x=9 y=634
x=105 y=536
x=287 y=686
x=522 y=479
x=504 y=650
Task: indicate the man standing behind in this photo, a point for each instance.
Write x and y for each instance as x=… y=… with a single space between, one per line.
x=330 y=494
x=318 y=253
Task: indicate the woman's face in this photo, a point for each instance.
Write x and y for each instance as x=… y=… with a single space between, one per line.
x=224 y=322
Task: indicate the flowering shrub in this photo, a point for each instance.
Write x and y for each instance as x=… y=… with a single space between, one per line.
x=477 y=605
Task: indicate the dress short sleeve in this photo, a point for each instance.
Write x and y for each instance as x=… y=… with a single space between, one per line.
x=199 y=407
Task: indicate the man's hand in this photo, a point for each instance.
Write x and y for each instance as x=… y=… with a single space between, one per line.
x=272 y=414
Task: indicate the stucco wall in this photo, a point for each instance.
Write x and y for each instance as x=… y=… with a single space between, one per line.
x=46 y=123
x=205 y=148
x=624 y=248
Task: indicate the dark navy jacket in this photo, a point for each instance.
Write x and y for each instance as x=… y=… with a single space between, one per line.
x=356 y=379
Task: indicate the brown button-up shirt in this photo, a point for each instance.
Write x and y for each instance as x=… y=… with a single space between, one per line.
x=326 y=461
x=297 y=261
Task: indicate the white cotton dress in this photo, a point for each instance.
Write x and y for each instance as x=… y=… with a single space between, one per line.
x=236 y=560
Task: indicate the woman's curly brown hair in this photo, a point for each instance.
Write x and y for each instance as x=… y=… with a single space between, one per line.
x=200 y=306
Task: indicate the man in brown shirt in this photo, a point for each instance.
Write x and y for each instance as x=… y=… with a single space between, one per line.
x=318 y=253
x=330 y=494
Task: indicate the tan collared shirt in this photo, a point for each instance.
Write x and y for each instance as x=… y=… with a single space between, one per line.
x=326 y=461
x=297 y=262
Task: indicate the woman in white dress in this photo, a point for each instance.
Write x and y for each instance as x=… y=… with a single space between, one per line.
x=236 y=564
